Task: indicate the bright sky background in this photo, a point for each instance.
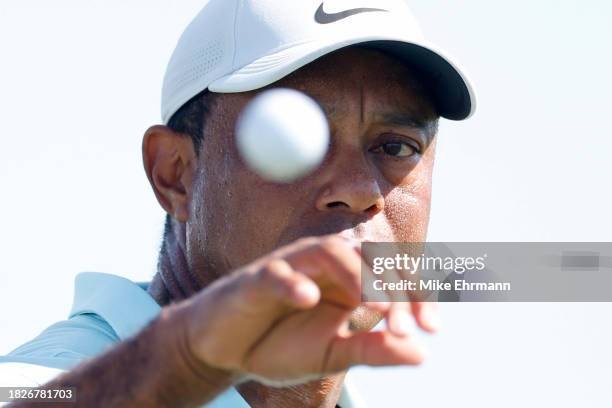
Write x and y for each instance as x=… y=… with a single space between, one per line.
x=80 y=82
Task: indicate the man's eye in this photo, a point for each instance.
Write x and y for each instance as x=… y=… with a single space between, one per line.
x=397 y=149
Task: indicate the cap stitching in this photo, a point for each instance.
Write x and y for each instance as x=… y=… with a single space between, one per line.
x=236 y=11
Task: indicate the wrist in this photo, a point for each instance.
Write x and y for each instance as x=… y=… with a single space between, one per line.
x=187 y=379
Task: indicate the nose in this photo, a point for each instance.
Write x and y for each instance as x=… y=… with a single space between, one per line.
x=351 y=188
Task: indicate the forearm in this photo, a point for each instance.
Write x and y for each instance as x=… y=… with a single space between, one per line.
x=153 y=369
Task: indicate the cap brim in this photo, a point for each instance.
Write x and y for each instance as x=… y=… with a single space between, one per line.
x=453 y=93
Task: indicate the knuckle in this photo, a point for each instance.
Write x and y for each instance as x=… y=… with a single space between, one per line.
x=276 y=279
x=270 y=272
x=275 y=274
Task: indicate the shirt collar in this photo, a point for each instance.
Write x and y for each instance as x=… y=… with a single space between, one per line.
x=125 y=306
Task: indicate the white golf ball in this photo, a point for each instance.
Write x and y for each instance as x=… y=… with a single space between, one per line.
x=282 y=135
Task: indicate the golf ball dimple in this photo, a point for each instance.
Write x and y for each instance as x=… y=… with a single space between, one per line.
x=282 y=135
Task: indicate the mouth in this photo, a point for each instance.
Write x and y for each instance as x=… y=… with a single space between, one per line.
x=355 y=228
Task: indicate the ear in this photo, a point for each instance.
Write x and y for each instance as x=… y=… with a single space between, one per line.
x=170 y=163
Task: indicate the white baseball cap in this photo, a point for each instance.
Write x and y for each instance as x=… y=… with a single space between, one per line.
x=242 y=45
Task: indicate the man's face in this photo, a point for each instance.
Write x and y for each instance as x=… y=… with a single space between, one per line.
x=374 y=184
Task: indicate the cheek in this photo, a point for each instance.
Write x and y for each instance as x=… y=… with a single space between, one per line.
x=410 y=203
x=407 y=207
x=238 y=216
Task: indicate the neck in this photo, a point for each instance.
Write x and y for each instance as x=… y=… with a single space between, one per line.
x=323 y=393
x=175 y=282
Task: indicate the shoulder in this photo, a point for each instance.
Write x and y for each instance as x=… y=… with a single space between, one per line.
x=106 y=310
x=66 y=343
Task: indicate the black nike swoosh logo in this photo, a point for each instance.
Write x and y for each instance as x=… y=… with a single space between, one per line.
x=322 y=17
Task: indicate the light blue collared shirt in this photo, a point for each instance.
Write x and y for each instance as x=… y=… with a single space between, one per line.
x=106 y=310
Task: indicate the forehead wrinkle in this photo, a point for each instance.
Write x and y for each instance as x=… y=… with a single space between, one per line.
x=404 y=118
x=362 y=103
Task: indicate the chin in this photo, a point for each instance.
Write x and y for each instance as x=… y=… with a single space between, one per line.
x=364 y=319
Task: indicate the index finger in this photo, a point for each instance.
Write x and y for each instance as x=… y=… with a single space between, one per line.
x=334 y=264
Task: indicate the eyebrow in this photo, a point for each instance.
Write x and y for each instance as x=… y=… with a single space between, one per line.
x=405 y=119
x=410 y=120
